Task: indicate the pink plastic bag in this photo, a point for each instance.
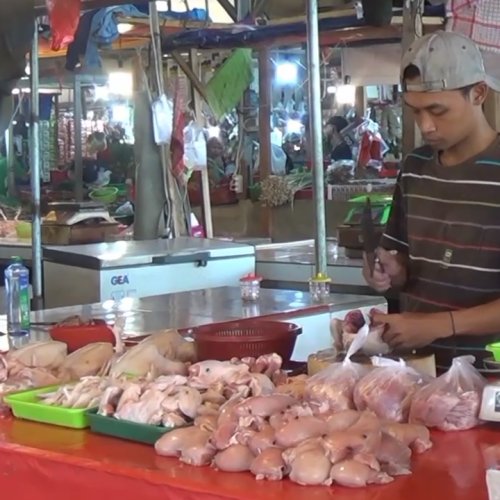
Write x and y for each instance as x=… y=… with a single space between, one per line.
x=331 y=389
x=64 y=17
x=388 y=389
x=452 y=401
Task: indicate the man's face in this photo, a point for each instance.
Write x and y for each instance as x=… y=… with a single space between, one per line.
x=444 y=118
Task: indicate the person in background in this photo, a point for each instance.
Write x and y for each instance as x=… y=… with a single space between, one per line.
x=336 y=148
x=216 y=163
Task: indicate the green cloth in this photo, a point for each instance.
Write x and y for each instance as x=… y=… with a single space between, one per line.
x=19 y=171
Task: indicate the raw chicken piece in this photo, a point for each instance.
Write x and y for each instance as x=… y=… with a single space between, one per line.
x=300 y=429
x=208 y=409
x=206 y=422
x=293 y=386
x=109 y=400
x=242 y=436
x=388 y=390
x=340 y=445
x=147 y=410
x=131 y=394
x=311 y=467
x=264 y=406
x=173 y=420
x=87 y=361
x=393 y=456
x=452 y=401
x=269 y=465
x=262 y=440
x=49 y=355
x=214 y=395
x=342 y=420
x=173 y=443
x=199 y=451
x=356 y=475
x=236 y=458
x=189 y=401
x=169 y=383
x=268 y=364
x=4 y=369
x=261 y=385
x=206 y=373
x=344 y=332
x=291 y=454
x=417 y=437
x=186 y=352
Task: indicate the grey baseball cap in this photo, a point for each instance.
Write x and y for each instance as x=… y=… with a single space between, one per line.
x=446 y=61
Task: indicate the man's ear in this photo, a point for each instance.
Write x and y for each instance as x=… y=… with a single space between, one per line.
x=479 y=93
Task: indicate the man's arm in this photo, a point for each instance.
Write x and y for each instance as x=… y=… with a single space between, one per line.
x=479 y=320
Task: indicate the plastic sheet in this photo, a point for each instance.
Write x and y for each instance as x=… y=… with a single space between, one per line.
x=45 y=463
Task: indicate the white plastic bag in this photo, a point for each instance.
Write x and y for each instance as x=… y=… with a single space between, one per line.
x=452 y=401
x=195 y=148
x=388 y=389
x=163 y=120
x=332 y=389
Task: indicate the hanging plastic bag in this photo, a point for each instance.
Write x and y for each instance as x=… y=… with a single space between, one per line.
x=332 y=388
x=64 y=17
x=388 y=389
x=163 y=120
x=452 y=401
x=195 y=148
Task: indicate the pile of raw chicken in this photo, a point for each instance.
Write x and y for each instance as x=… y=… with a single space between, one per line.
x=349 y=424
x=48 y=363
x=282 y=428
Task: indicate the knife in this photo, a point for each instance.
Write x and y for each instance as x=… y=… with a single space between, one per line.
x=370 y=242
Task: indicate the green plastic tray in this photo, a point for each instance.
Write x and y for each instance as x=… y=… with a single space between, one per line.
x=26 y=405
x=141 y=433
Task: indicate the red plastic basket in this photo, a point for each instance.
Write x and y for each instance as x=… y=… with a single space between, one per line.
x=78 y=336
x=241 y=339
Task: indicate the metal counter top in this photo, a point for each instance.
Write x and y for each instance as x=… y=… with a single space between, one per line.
x=302 y=252
x=140 y=253
x=201 y=307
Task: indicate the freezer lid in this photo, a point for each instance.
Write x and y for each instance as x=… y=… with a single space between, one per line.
x=140 y=253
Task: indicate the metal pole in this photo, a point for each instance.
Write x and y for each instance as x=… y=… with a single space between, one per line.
x=78 y=139
x=316 y=125
x=35 y=177
x=11 y=177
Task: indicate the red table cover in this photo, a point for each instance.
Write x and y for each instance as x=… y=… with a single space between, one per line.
x=44 y=462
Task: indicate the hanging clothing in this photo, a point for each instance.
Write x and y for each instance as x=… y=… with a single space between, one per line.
x=78 y=47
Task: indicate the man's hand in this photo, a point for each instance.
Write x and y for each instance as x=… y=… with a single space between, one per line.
x=390 y=271
x=412 y=330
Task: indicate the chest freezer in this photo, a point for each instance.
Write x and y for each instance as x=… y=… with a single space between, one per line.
x=84 y=274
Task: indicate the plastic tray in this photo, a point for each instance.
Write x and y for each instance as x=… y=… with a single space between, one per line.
x=140 y=433
x=26 y=405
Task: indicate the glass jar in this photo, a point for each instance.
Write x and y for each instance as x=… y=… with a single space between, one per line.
x=319 y=287
x=250 y=287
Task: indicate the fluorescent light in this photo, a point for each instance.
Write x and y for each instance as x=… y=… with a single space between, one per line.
x=346 y=94
x=121 y=83
x=287 y=73
x=162 y=6
x=124 y=28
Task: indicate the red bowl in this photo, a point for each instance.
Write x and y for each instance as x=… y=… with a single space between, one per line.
x=78 y=336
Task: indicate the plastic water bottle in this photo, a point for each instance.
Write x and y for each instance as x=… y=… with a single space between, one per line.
x=17 y=293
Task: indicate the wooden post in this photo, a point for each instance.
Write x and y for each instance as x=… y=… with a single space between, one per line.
x=265 y=103
x=412 y=28
x=205 y=181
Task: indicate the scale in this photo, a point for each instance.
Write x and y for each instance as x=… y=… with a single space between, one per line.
x=349 y=233
x=77 y=223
